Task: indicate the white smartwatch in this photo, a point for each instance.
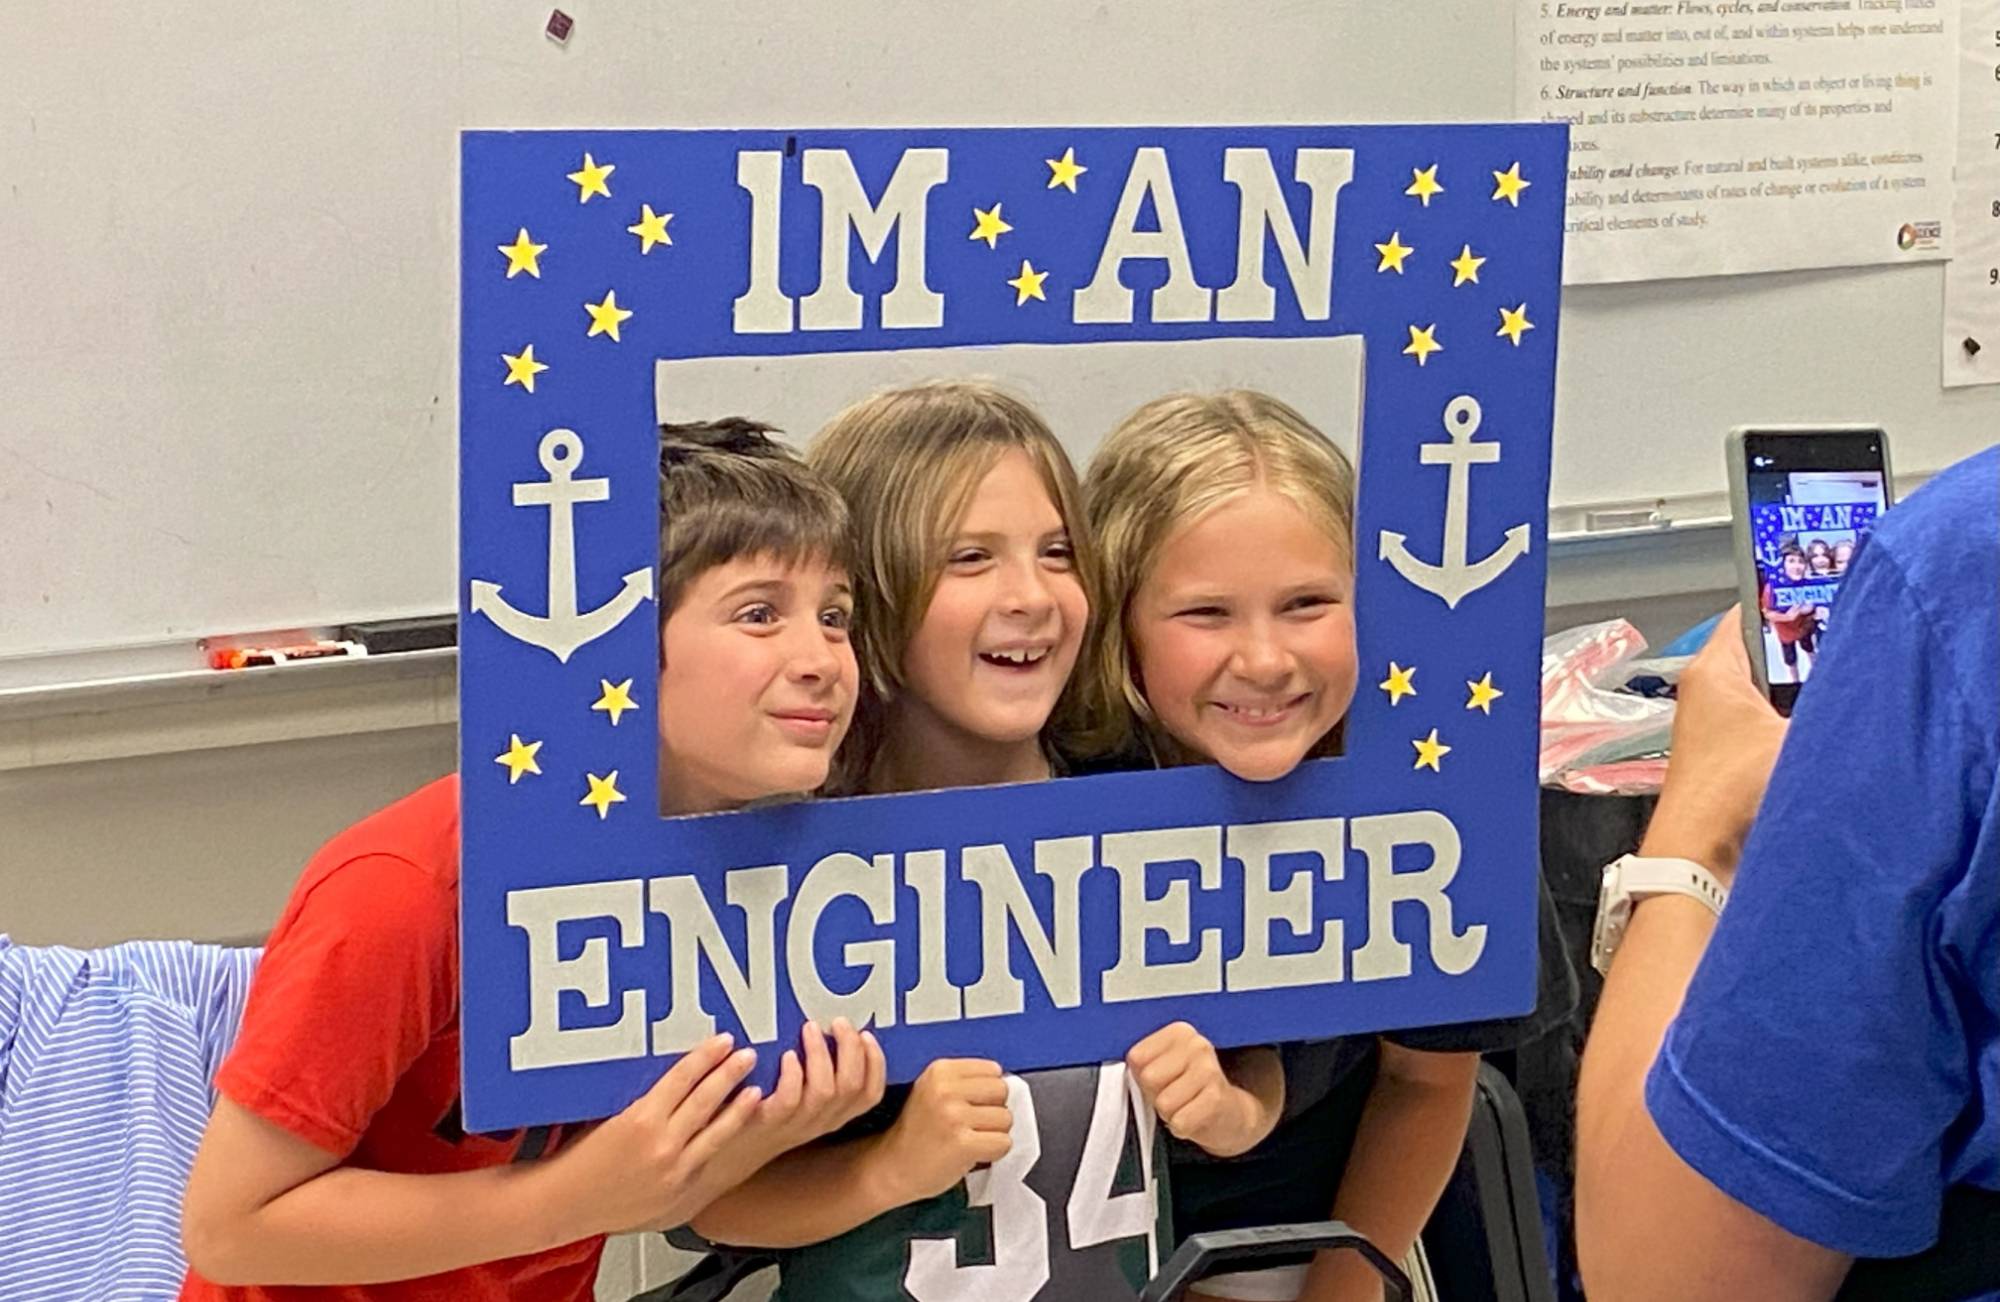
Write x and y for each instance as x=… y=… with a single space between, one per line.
x=1629 y=879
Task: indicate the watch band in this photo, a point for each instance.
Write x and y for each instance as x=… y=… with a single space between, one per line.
x=1645 y=878
x=1629 y=879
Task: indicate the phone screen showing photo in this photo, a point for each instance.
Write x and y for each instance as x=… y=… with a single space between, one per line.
x=1814 y=498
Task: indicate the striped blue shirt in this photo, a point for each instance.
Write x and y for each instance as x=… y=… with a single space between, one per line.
x=105 y=1062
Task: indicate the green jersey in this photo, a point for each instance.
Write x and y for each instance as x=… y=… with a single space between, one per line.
x=1077 y=1209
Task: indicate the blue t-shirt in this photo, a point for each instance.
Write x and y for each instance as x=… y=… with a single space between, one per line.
x=1836 y=1064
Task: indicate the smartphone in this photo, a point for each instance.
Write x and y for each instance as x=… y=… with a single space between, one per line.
x=1803 y=500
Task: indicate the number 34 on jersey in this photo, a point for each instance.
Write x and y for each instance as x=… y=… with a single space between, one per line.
x=1077 y=1209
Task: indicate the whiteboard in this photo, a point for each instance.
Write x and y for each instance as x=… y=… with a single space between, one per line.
x=228 y=313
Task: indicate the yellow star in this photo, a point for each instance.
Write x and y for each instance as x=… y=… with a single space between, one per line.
x=520 y=757
x=652 y=228
x=1509 y=184
x=521 y=255
x=990 y=227
x=1429 y=751
x=1465 y=267
x=522 y=368
x=1028 y=284
x=1513 y=323
x=1425 y=183
x=1484 y=693
x=1064 y=171
x=615 y=700
x=604 y=793
x=1398 y=683
x=605 y=317
x=591 y=180
x=1423 y=342
x=1393 y=253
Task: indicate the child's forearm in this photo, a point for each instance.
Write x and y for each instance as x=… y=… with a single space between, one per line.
x=351 y=1226
x=1258 y=1072
x=806 y=1196
x=1411 y=1131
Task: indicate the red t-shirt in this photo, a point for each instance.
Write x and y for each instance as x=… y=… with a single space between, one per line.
x=350 y=1042
x=1788 y=630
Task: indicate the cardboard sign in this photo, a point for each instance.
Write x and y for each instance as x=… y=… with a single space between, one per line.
x=1043 y=924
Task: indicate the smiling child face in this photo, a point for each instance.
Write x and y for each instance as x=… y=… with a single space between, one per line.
x=757 y=683
x=1243 y=635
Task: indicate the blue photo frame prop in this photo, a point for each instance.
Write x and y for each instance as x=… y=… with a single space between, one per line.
x=1044 y=924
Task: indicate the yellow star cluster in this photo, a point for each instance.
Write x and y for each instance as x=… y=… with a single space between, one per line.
x=1426 y=185
x=1431 y=750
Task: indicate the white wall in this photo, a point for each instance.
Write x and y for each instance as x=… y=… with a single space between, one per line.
x=201 y=845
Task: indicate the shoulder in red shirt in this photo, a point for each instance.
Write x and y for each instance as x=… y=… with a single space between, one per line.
x=350 y=1041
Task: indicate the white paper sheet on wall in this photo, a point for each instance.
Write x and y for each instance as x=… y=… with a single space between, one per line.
x=1715 y=137
x=1972 y=278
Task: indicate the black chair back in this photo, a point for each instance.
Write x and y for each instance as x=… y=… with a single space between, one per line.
x=1484 y=1240
x=1202 y=1255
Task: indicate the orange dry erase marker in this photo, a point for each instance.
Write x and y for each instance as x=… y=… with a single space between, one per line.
x=259 y=657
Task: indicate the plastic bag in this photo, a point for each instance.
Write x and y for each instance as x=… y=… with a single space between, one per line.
x=1598 y=739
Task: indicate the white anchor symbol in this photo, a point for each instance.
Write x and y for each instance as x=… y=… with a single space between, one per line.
x=563 y=629
x=1452 y=578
